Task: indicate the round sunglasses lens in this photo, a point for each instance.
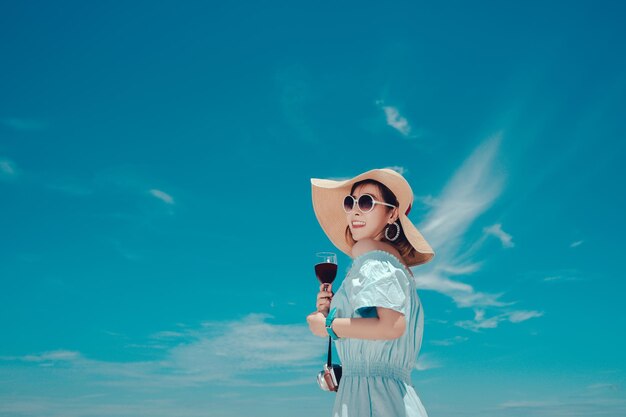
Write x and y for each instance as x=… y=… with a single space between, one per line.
x=366 y=203
x=348 y=203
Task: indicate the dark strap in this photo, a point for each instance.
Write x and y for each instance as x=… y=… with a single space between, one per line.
x=330 y=354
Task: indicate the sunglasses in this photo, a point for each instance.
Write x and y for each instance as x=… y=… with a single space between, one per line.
x=365 y=203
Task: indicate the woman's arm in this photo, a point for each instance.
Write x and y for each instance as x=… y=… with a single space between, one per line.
x=389 y=324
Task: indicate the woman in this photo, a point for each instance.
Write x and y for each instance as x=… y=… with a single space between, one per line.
x=379 y=320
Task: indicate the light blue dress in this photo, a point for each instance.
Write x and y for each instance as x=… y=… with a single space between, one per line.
x=376 y=380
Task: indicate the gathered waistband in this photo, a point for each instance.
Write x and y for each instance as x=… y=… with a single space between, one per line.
x=363 y=368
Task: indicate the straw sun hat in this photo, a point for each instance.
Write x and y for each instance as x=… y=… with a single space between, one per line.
x=328 y=196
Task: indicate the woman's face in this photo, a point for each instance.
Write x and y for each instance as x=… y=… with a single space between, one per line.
x=372 y=224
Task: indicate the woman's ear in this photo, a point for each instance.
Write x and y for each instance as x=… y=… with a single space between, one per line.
x=394 y=214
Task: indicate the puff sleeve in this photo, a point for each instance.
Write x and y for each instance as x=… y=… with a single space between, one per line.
x=378 y=283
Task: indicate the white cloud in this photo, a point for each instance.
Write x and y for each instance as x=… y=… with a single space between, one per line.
x=255 y=344
x=461 y=269
x=226 y=368
x=464 y=295
x=576 y=243
x=555 y=275
x=477 y=298
x=450 y=341
x=400 y=170
x=161 y=195
x=481 y=322
x=52 y=356
x=57 y=355
x=428 y=200
x=395 y=119
x=442 y=284
x=564 y=275
x=497 y=231
x=519 y=316
x=470 y=192
x=234 y=353
x=426 y=361
x=7 y=168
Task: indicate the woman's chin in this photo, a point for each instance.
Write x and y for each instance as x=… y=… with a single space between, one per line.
x=358 y=236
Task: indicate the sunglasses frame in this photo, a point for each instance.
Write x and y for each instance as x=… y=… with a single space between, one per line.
x=355 y=203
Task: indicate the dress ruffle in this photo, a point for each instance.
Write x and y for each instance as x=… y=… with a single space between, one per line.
x=378 y=283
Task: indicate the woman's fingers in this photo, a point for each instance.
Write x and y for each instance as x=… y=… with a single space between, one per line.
x=323 y=304
x=324 y=298
x=323 y=294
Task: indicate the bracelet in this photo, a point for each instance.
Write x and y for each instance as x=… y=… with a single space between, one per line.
x=329 y=323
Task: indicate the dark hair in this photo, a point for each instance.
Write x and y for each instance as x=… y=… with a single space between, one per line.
x=401 y=243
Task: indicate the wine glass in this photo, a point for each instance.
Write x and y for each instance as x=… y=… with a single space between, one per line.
x=326 y=268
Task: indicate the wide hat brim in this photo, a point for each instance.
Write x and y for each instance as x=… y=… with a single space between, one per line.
x=328 y=196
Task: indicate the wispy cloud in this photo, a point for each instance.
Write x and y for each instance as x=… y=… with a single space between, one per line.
x=450 y=341
x=519 y=316
x=24 y=125
x=552 y=275
x=471 y=191
x=395 y=119
x=400 y=170
x=464 y=295
x=52 y=356
x=161 y=195
x=496 y=230
x=468 y=194
x=225 y=366
x=427 y=361
x=233 y=352
x=560 y=278
x=8 y=169
x=557 y=275
x=482 y=322
x=576 y=243
x=137 y=187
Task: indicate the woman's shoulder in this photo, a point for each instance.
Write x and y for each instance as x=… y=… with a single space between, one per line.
x=364 y=246
x=368 y=245
x=370 y=248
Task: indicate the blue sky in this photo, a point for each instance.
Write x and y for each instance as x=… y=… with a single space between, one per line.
x=157 y=236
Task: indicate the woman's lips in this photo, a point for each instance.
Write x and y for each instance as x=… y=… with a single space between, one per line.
x=356 y=224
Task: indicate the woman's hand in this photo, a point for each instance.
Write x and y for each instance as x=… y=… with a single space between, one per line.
x=323 y=299
x=317 y=324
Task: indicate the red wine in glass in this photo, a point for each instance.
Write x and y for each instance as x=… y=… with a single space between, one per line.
x=326 y=268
